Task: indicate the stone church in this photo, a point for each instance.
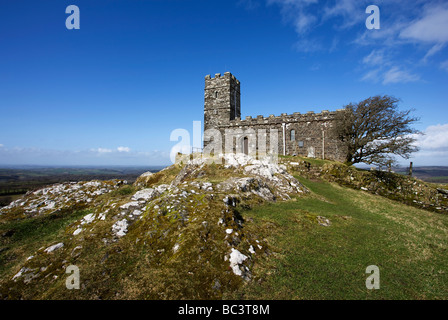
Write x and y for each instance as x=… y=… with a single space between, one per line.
x=306 y=134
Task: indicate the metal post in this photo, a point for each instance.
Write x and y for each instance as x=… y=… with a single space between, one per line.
x=323 y=145
x=284 y=138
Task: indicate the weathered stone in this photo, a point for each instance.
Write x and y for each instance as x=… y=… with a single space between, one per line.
x=306 y=134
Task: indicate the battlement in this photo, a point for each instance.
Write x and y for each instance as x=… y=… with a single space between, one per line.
x=222 y=100
x=227 y=75
x=324 y=115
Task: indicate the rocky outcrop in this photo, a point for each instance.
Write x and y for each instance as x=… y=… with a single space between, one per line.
x=405 y=189
x=179 y=225
x=58 y=197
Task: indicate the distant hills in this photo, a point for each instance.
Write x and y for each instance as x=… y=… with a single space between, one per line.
x=435 y=174
x=18 y=179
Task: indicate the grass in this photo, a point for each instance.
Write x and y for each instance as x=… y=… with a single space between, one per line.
x=314 y=161
x=310 y=261
x=300 y=259
x=21 y=238
x=123 y=191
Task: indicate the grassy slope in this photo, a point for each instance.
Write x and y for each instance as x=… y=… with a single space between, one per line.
x=314 y=262
x=306 y=260
x=19 y=239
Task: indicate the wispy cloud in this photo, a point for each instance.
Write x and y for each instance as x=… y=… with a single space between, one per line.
x=397 y=75
x=124 y=149
x=306 y=15
x=404 y=24
x=102 y=150
x=297 y=13
x=434 y=49
x=434 y=139
x=106 y=150
x=444 y=65
x=382 y=68
x=433 y=145
x=349 y=12
x=372 y=76
x=430 y=27
x=412 y=23
x=376 y=58
x=390 y=76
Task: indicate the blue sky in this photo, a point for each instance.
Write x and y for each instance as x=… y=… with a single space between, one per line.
x=112 y=92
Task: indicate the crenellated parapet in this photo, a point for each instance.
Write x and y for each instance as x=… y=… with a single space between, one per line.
x=218 y=77
x=324 y=115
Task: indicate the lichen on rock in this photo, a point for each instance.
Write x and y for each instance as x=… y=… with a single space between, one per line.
x=173 y=226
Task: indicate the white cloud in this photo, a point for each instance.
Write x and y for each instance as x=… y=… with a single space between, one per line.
x=411 y=33
x=303 y=22
x=1 y=146
x=434 y=49
x=434 y=139
x=421 y=24
x=433 y=146
x=375 y=58
x=396 y=75
x=409 y=22
x=373 y=76
x=431 y=27
x=383 y=69
x=107 y=150
x=444 y=65
x=297 y=13
x=102 y=150
x=350 y=10
x=123 y=149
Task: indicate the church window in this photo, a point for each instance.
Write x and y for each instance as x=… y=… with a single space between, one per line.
x=293 y=135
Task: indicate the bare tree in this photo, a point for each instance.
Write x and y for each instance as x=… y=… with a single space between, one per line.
x=374 y=131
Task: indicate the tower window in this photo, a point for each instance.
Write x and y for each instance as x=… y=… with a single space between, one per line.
x=293 y=135
x=216 y=94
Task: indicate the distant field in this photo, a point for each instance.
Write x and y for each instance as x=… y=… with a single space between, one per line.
x=15 y=181
x=435 y=174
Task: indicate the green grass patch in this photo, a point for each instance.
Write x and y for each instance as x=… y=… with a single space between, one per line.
x=123 y=191
x=311 y=261
x=21 y=238
x=314 y=161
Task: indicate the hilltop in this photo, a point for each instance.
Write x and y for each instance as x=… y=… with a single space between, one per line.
x=243 y=228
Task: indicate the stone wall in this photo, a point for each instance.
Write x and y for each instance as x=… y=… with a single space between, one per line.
x=306 y=134
x=221 y=100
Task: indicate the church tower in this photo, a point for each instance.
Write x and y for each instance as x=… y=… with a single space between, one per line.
x=221 y=100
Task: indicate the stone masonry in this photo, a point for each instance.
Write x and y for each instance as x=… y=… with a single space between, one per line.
x=306 y=134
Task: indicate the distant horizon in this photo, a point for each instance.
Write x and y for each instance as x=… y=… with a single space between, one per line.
x=14 y=166
x=43 y=166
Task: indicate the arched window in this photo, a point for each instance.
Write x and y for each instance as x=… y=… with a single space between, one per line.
x=293 y=135
x=245 y=145
x=216 y=94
